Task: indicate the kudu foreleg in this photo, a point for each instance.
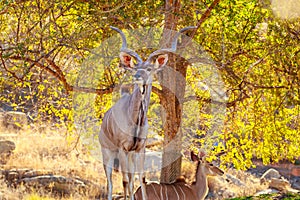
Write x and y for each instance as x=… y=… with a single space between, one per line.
x=131 y=174
x=108 y=163
x=109 y=185
x=127 y=166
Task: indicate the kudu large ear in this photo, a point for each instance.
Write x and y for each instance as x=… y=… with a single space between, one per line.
x=194 y=157
x=127 y=61
x=200 y=157
x=160 y=62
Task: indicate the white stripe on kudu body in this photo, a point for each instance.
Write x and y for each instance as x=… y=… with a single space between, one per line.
x=181 y=190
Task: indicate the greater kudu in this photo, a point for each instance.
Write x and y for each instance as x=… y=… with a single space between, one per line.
x=181 y=190
x=125 y=125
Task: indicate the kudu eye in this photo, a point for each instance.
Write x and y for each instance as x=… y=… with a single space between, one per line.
x=149 y=69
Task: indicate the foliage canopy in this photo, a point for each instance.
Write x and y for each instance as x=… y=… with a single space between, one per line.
x=42 y=43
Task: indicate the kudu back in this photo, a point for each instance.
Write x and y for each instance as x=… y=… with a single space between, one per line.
x=125 y=125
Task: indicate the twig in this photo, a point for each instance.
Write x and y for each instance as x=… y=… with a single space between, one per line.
x=205 y=15
x=6 y=69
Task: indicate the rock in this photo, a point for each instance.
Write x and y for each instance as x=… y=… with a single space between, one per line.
x=282 y=185
x=30 y=178
x=279 y=184
x=269 y=174
x=296 y=171
x=235 y=180
x=6 y=146
x=6 y=149
x=296 y=183
x=267 y=191
x=59 y=183
x=14 y=120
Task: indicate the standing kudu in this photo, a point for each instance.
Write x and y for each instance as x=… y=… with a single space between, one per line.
x=181 y=190
x=125 y=125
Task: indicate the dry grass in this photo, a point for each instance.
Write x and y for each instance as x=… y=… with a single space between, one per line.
x=50 y=150
x=53 y=152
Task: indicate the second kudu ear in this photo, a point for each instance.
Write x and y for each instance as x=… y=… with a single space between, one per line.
x=194 y=157
x=161 y=61
x=127 y=61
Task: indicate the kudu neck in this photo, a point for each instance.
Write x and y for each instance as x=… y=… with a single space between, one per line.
x=139 y=101
x=200 y=186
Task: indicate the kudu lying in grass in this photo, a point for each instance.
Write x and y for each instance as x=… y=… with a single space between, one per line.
x=181 y=190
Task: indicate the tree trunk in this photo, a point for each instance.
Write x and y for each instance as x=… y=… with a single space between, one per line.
x=173 y=88
x=171 y=101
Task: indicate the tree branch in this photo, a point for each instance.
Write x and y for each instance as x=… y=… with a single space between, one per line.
x=256 y=86
x=57 y=73
x=6 y=69
x=205 y=15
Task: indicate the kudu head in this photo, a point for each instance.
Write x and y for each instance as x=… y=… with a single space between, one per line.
x=143 y=70
x=206 y=167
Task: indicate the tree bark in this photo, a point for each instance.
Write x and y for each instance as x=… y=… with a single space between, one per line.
x=171 y=159
x=173 y=89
